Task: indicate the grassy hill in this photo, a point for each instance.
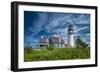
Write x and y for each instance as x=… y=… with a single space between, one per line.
x=57 y=54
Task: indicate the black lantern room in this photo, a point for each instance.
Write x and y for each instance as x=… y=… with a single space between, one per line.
x=70 y=29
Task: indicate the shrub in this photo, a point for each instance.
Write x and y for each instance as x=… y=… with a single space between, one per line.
x=28 y=49
x=50 y=47
x=80 y=43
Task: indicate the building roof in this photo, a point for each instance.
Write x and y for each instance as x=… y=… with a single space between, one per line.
x=52 y=39
x=56 y=40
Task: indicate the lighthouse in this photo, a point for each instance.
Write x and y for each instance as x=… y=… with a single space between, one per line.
x=70 y=36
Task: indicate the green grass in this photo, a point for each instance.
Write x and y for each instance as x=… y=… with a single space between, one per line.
x=57 y=54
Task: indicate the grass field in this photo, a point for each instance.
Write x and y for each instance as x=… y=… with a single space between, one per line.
x=57 y=54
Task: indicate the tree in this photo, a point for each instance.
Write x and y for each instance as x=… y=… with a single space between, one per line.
x=80 y=43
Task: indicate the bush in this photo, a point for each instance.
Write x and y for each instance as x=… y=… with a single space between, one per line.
x=49 y=47
x=80 y=43
x=28 y=49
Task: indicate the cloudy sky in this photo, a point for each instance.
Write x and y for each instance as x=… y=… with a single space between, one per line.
x=37 y=24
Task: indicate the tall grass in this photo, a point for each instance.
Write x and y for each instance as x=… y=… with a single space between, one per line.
x=57 y=54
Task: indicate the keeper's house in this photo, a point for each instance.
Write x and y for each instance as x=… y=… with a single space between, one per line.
x=54 y=40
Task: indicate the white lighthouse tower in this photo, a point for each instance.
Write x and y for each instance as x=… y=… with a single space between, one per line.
x=70 y=36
